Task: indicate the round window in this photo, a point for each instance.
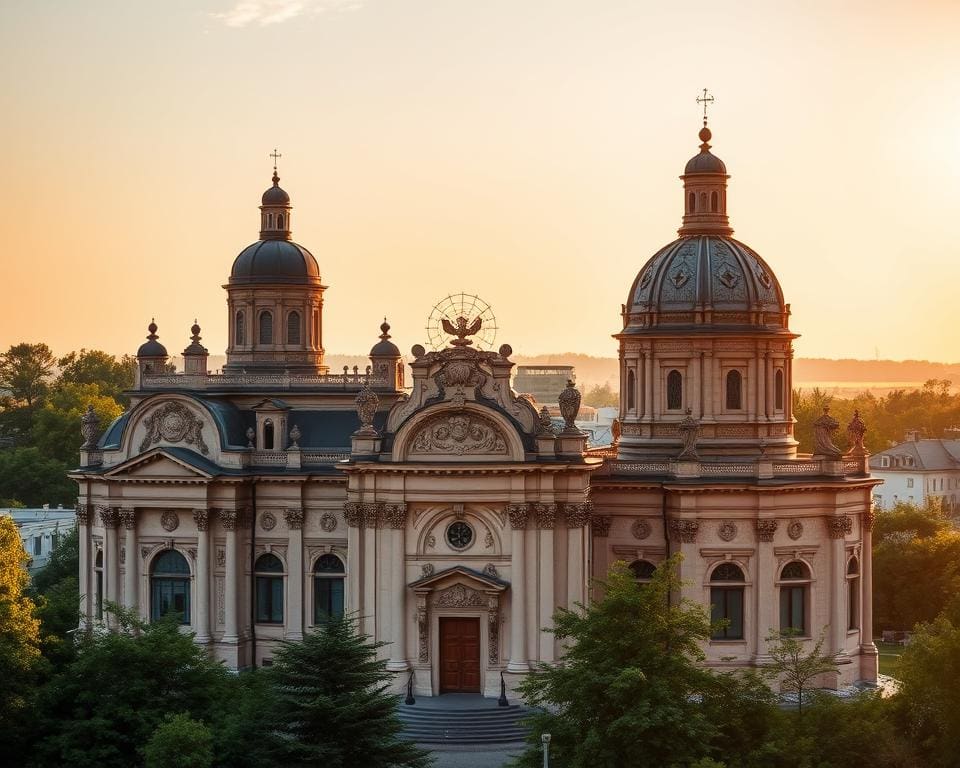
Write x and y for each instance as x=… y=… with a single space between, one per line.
x=459 y=535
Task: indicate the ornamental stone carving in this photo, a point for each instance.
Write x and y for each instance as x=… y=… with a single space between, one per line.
x=83 y=514
x=268 y=521
x=839 y=526
x=459 y=596
x=867 y=518
x=294 y=518
x=460 y=434
x=823 y=429
x=766 y=529
x=395 y=515
x=169 y=520
x=684 y=530
x=795 y=529
x=689 y=430
x=127 y=518
x=229 y=519
x=856 y=430
x=640 y=529
x=175 y=423
x=546 y=515
x=427 y=569
x=518 y=514
x=545 y=424
x=578 y=515
x=423 y=632
x=367 y=403
x=727 y=530
x=90 y=429
x=108 y=516
x=328 y=522
x=491 y=570
x=601 y=525
x=569 y=401
x=201 y=517
x=221 y=557
x=295 y=435
x=372 y=513
x=493 y=633
x=353 y=513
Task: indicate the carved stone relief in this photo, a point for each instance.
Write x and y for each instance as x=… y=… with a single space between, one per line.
x=766 y=529
x=268 y=521
x=328 y=522
x=795 y=529
x=684 y=530
x=727 y=530
x=460 y=434
x=640 y=529
x=175 y=423
x=459 y=596
x=170 y=520
x=839 y=526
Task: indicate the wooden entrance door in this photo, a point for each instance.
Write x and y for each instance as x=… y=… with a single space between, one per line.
x=459 y=655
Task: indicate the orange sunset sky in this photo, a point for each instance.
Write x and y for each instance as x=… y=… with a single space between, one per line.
x=524 y=150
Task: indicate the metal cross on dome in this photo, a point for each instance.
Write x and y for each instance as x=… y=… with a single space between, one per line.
x=276 y=155
x=707 y=99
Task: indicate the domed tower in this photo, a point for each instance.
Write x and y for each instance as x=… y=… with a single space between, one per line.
x=275 y=298
x=386 y=362
x=706 y=335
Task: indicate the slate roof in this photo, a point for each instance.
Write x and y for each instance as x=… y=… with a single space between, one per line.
x=929 y=455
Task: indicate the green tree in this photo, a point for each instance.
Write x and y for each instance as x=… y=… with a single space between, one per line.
x=180 y=742
x=631 y=690
x=92 y=366
x=34 y=479
x=242 y=734
x=794 y=666
x=19 y=638
x=25 y=370
x=601 y=395
x=332 y=705
x=56 y=590
x=56 y=424
x=102 y=708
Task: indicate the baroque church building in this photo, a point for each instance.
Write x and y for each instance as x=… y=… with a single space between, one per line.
x=448 y=512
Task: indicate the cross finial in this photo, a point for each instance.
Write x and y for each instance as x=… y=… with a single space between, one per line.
x=276 y=156
x=706 y=99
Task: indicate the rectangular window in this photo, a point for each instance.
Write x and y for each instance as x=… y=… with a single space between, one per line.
x=909 y=482
x=170 y=596
x=727 y=603
x=328 y=600
x=792 y=608
x=37 y=545
x=269 y=600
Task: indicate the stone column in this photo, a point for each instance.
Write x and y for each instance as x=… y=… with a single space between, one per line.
x=866 y=583
x=229 y=518
x=749 y=393
x=371 y=520
x=838 y=527
x=684 y=532
x=763 y=591
x=767 y=385
x=129 y=520
x=648 y=409
x=578 y=515
x=294 y=602
x=694 y=398
x=203 y=580
x=111 y=558
x=353 y=512
x=83 y=534
x=519 y=661
x=546 y=517
x=707 y=382
x=395 y=517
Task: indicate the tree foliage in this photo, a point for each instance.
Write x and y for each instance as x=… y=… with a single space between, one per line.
x=55 y=589
x=180 y=742
x=25 y=370
x=93 y=366
x=30 y=477
x=601 y=395
x=56 y=424
x=795 y=667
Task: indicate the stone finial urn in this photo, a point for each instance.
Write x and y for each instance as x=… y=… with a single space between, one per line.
x=367 y=403
x=90 y=429
x=569 y=401
x=295 y=435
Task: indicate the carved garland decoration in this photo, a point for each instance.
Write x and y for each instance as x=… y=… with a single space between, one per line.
x=175 y=423
x=460 y=434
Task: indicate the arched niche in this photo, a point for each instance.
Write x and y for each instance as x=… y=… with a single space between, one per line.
x=458 y=434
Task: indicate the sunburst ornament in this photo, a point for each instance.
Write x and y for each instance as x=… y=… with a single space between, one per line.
x=459 y=320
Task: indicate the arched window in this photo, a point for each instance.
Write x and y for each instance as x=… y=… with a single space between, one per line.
x=268 y=435
x=794 y=597
x=734 y=391
x=674 y=391
x=726 y=601
x=714 y=202
x=293 y=328
x=642 y=570
x=327 y=588
x=691 y=203
x=279 y=221
x=853 y=594
x=170 y=586
x=270 y=221
x=268 y=571
x=778 y=390
x=98 y=572
x=240 y=334
x=631 y=390
x=266 y=328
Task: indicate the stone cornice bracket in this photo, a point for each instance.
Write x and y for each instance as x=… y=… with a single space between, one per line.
x=127 y=517
x=600 y=524
x=294 y=518
x=83 y=513
x=546 y=515
x=353 y=514
x=868 y=517
x=108 y=516
x=395 y=515
x=839 y=526
x=229 y=518
x=578 y=515
x=518 y=514
x=202 y=519
x=766 y=529
x=684 y=530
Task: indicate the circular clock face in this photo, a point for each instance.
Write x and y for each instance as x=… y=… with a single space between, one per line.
x=459 y=535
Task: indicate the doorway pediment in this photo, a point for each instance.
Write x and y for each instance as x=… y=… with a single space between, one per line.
x=459 y=576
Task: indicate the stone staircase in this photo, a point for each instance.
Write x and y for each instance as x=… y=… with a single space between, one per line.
x=461 y=720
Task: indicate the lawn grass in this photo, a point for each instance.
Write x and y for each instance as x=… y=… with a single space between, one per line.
x=889 y=656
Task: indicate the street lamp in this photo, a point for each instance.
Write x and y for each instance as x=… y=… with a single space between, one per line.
x=545 y=738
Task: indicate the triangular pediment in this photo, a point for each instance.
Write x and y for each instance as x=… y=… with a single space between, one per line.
x=461 y=575
x=157 y=464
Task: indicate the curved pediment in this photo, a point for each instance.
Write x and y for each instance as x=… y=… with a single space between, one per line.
x=171 y=420
x=466 y=433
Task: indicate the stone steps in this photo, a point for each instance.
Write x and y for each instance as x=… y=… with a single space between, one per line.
x=477 y=722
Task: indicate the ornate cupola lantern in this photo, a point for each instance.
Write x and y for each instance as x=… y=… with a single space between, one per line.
x=275 y=209
x=151 y=356
x=195 y=355
x=386 y=362
x=706 y=336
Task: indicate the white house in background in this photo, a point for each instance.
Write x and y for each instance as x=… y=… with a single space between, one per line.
x=917 y=471
x=40 y=530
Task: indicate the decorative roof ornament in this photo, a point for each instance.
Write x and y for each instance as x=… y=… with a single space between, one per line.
x=458 y=316
x=856 y=430
x=367 y=403
x=823 y=429
x=689 y=429
x=89 y=428
x=251 y=434
x=295 y=435
x=545 y=425
x=195 y=348
x=461 y=330
x=569 y=401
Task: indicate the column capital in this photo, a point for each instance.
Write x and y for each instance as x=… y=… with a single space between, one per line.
x=868 y=517
x=202 y=519
x=839 y=526
x=395 y=515
x=546 y=515
x=294 y=518
x=353 y=514
x=579 y=514
x=601 y=525
x=127 y=517
x=83 y=513
x=684 y=530
x=229 y=518
x=108 y=516
x=766 y=529
x=518 y=514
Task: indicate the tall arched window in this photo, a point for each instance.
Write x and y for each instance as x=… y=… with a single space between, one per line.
x=853 y=594
x=642 y=570
x=794 y=597
x=778 y=390
x=674 y=391
x=98 y=573
x=734 y=391
x=631 y=390
x=328 y=577
x=703 y=202
x=714 y=202
x=266 y=328
x=170 y=586
x=268 y=435
x=726 y=601
x=268 y=571
x=270 y=220
x=691 y=203
x=279 y=221
x=240 y=333
x=293 y=328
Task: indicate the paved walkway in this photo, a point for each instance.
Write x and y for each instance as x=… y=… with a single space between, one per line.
x=493 y=758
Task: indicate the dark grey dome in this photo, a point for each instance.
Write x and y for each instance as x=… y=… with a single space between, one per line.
x=275 y=196
x=385 y=347
x=705 y=162
x=707 y=280
x=151 y=347
x=275 y=261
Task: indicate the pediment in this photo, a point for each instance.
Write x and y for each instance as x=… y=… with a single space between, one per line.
x=468 y=580
x=157 y=464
